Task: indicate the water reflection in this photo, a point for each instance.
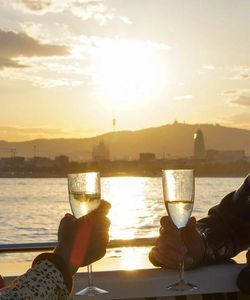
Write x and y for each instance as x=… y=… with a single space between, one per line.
x=132 y=258
x=128 y=198
x=32 y=208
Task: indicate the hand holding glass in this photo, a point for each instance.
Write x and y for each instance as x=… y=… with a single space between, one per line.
x=84 y=197
x=178 y=192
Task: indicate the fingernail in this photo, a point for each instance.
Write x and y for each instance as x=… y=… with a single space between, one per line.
x=183 y=250
x=189 y=260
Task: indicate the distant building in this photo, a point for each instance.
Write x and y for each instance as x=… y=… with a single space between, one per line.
x=199 y=145
x=147 y=156
x=41 y=162
x=16 y=161
x=100 y=152
x=61 y=160
x=225 y=155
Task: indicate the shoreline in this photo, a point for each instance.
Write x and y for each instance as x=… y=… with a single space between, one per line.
x=34 y=176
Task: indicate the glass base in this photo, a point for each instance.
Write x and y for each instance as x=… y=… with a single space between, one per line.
x=91 y=291
x=182 y=286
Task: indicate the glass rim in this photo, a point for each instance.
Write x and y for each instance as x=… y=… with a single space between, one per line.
x=178 y=170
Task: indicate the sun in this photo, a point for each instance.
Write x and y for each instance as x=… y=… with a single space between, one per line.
x=127 y=73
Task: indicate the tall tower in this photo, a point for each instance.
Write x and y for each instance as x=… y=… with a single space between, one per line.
x=114 y=124
x=199 y=145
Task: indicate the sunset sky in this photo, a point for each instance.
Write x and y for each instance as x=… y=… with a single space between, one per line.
x=68 y=67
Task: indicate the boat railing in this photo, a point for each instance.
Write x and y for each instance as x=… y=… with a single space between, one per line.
x=214 y=281
x=49 y=246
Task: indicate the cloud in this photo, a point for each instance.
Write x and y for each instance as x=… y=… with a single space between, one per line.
x=84 y=9
x=46 y=81
x=9 y=63
x=242 y=100
x=39 y=6
x=238 y=120
x=238 y=96
x=45 y=6
x=52 y=83
x=126 y=20
x=209 y=67
x=245 y=117
x=240 y=73
x=244 y=76
x=17 y=133
x=91 y=9
x=184 y=97
x=34 y=5
x=230 y=92
x=14 y=44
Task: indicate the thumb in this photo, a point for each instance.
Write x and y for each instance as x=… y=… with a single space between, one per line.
x=191 y=226
x=248 y=257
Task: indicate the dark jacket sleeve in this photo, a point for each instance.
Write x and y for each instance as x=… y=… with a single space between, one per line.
x=226 y=229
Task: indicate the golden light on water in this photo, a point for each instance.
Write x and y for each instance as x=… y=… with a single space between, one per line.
x=126 y=195
x=132 y=259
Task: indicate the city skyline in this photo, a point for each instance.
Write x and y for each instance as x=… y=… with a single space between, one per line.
x=68 y=68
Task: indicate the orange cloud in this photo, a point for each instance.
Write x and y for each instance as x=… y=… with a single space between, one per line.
x=14 y=44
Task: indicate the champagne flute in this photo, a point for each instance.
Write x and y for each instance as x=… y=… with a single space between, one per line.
x=84 y=197
x=178 y=192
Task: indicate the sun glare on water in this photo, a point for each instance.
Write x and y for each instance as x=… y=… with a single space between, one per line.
x=126 y=196
x=127 y=72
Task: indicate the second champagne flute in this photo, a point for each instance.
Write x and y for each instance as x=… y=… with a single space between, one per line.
x=178 y=192
x=84 y=197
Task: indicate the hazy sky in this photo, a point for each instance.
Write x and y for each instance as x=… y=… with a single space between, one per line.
x=67 y=67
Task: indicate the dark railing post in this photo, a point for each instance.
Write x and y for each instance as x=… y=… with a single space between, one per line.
x=49 y=246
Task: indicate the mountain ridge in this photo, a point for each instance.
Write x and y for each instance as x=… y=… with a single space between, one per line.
x=169 y=140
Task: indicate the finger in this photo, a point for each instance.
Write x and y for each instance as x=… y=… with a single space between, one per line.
x=67 y=220
x=167 y=222
x=191 y=226
x=163 y=220
x=169 y=261
x=171 y=257
x=153 y=260
x=100 y=244
x=66 y=229
x=69 y=216
x=104 y=207
x=188 y=262
x=102 y=224
x=179 y=249
x=170 y=244
x=248 y=257
x=170 y=237
x=97 y=220
x=101 y=228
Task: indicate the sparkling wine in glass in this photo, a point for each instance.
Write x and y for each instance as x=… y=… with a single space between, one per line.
x=178 y=192
x=84 y=197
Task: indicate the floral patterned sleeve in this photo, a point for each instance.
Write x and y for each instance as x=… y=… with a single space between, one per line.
x=42 y=281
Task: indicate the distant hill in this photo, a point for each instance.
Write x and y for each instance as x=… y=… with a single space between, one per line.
x=171 y=140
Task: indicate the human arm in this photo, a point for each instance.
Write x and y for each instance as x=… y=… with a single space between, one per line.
x=42 y=281
x=51 y=274
x=226 y=229
x=84 y=240
x=221 y=235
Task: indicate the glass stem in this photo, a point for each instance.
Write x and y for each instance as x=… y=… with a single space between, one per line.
x=90 y=279
x=181 y=266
